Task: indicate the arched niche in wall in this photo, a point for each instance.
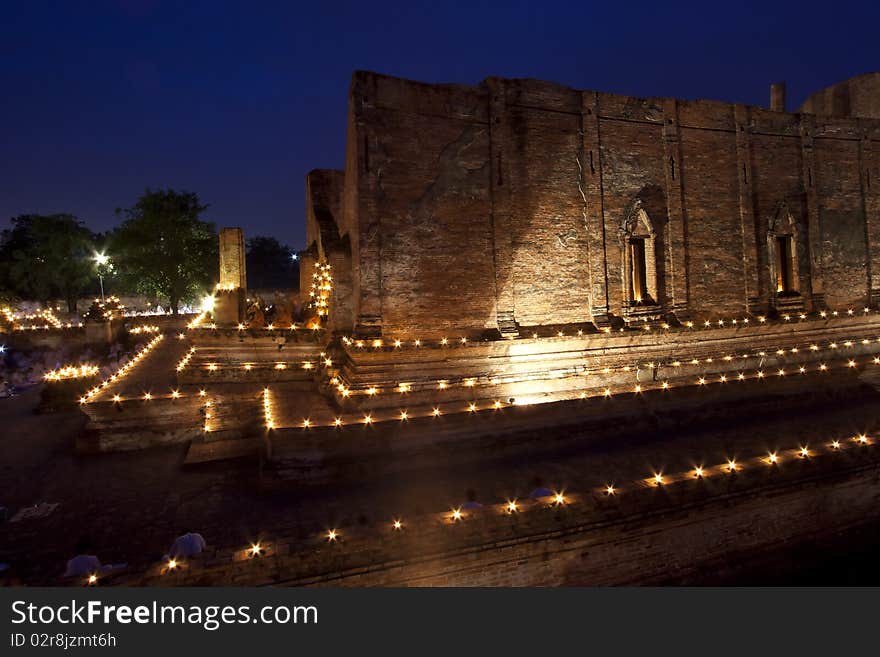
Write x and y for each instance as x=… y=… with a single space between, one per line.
x=641 y=248
x=782 y=257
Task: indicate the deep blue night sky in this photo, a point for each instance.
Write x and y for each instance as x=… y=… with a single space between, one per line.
x=237 y=102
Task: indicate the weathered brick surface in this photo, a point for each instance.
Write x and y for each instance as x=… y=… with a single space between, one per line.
x=858 y=96
x=464 y=206
x=230 y=299
x=232 y=262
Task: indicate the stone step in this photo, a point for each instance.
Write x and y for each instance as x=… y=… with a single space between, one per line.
x=222 y=450
x=358 y=451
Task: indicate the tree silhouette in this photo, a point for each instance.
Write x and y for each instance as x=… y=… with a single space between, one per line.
x=47 y=257
x=164 y=249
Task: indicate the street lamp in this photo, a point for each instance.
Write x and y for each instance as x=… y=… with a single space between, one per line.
x=101 y=259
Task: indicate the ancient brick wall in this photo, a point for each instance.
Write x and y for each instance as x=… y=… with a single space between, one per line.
x=546 y=209
x=471 y=207
x=328 y=241
x=775 y=171
x=841 y=218
x=858 y=96
x=324 y=189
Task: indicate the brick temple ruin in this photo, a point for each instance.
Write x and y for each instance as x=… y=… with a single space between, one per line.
x=504 y=268
x=520 y=203
x=521 y=242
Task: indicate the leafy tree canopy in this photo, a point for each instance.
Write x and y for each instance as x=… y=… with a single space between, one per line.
x=269 y=265
x=47 y=257
x=163 y=249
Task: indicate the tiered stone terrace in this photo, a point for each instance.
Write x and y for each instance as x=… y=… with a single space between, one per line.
x=640 y=534
x=213 y=385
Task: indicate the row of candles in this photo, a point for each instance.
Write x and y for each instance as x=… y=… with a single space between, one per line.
x=812 y=347
x=657 y=479
x=760 y=320
x=199 y=323
x=488 y=404
x=443 y=384
x=124 y=370
x=71 y=372
x=497 y=404
x=149 y=328
x=322 y=286
x=559 y=498
x=43 y=320
x=46 y=319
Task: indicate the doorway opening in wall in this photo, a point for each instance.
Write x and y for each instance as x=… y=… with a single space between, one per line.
x=639 y=275
x=785 y=284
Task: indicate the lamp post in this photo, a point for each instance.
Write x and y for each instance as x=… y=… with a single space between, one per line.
x=101 y=259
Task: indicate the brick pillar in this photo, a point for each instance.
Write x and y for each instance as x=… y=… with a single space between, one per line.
x=871 y=209
x=231 y=296
x=499 y=154
x=753 y=299
x=232 y=260
x=814 y=236
x=676 y=243
x=777 y=97
x=590 y=162
x=368 y=286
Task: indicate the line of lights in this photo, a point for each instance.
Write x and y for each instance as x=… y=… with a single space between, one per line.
x=182 y=363
x=579 y=370
x=488 y=404
x=208 y=427
x=559 y=498
x=122 y=371
x=731 y=466
x=322 y=286
x=173 y=394
x=71 y=372
x=47 y=317
x=196 y=322
x=743 y=322
x=267 y=409
x=275 y=365
x=46 y=327
x=151 y=328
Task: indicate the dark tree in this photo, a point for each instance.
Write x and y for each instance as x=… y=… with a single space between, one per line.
x=270 y=266
x=47 y=257
x=164 y=249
